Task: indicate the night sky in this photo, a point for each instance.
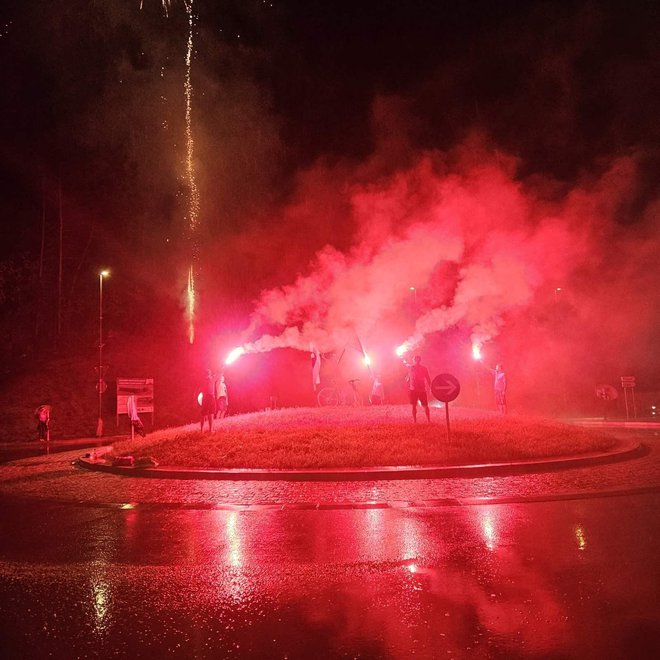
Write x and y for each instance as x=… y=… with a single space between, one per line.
x=339 y=128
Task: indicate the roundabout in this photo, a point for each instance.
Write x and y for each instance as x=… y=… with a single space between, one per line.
x=633 y=465
x=94 y=564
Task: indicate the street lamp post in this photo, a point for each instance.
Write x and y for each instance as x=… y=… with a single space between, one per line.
x=101 y=384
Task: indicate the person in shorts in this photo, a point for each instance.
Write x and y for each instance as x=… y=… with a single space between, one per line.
x=418 y=377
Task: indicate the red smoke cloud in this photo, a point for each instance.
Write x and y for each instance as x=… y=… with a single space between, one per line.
x=485 y=249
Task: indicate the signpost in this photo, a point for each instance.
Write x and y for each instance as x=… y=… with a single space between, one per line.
x=628 y=383
x=445 y=388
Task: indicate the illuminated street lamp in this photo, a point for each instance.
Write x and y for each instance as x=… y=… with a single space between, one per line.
x=100 y=386
x=414 y=290
x=557 y=292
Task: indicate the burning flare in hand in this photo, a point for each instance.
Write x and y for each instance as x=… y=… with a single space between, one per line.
x=234 y=355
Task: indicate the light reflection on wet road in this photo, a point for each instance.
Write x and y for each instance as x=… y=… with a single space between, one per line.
x=572 y=579
x=565 y=579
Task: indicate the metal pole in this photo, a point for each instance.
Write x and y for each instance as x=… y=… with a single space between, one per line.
x=99 y=427
x=59 y=273
x=447 y=418
x=41 y=260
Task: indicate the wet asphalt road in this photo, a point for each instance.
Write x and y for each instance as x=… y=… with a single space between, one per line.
x=100 y=566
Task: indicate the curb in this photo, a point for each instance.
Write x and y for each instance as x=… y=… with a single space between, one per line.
x=624 y=451
x=591 y=422
x=18 y=445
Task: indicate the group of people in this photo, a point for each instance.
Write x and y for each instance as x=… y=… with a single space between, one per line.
x=213 y=399
x=418 y=378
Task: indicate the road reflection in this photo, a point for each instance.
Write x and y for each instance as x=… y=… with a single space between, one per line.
x=517 y=580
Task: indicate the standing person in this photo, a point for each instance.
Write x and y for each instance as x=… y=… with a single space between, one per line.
x=43 y=423
x=499 y=387
x=209 y=394
x=418 y=376
x=377 y=396
x=223 y=398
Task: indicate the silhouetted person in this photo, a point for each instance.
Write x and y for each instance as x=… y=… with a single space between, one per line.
x=377 y=395
x=418 y=376
x=209 y=393
x=499 y=387
x=43 y=422
x=223 y=398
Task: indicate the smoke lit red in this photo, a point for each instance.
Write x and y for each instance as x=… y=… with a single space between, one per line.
x=484 y=248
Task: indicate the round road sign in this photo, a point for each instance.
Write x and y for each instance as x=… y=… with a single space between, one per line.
x=445 y=388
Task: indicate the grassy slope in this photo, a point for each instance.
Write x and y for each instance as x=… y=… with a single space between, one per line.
x=370 y=436
x=68 y=385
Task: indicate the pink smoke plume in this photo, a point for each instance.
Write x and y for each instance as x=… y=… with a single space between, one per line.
x=477 y=242
x=349 y=294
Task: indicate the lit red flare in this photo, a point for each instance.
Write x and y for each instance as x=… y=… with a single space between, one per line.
x=402 y=350
x=476 y=351
x=234 y=355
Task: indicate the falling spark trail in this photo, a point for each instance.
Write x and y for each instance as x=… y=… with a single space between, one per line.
x=193 y=210
x=190 y=304
x=165 y=3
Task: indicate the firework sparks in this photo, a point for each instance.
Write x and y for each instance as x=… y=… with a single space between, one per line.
x=190 y=143
x=190 y=304
x=165 y=3
x=193 y=210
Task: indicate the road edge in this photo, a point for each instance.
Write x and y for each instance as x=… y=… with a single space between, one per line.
x=625 y=450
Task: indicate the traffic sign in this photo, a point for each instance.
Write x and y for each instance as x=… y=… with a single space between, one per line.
x=627 y=381
x=606 y=392
x=445 y=388
x=101 y=386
